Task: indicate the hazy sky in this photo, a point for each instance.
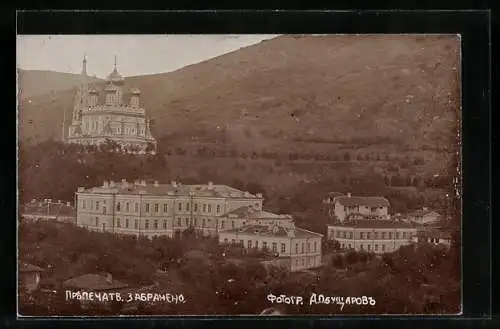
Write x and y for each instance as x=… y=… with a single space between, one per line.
x=137 y=54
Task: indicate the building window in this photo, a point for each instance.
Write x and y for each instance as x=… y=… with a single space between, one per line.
x=218 y=208
x=338 y=234
x=222 y=224
x=146 y=224
x=264 y=245
x=308 y=247
x=376 y=247
x=203 y=223
x=225 y=241
x=376 y=235
x=165 y=207
x=179 y=222
x=127 y=207
x=204 y=208
x=195 y=207
x=350 y=235
x=397 y=235
x=369 y=247
x=118 y=222
x=344 y=235
x=179 y=206
x=368 y=235
x=126 y=222
x=315 y=246
x=242 y=243
x=136 y=207
x=187 y=206
x=196 y=222
x=83 y=204
x=156 y=208
x=187 y=221
x=283 y=247
x=303 y=247
x=118 y=206
x=233 y=241
x=274 y=247
x=96 y=221
x=155 y=224
x=136 y=224
x=404 y=235
x=164 y=224
x=256 y=244
x=390 y=235
x=383 y=247
x=232 y=224
x=361 y=235
x=361 y=246
x=296 y=248
x=249 y=244
x=147 y=207
x=349 y=246
x=383 y=235
x=97 y=205
x=210 y=208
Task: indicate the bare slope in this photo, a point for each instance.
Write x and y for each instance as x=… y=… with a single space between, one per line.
x=394 y=90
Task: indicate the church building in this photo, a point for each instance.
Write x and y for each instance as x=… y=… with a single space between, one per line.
x=118 y=118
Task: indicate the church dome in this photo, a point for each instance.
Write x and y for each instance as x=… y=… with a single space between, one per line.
x=114 y=76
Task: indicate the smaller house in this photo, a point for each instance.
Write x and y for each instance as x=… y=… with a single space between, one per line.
x=48 y=210
x=94 y=282
x=433 y=236
x=29 y=276
x=348 y=207
x=424 y=216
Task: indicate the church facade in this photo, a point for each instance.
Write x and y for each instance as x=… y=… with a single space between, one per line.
x=118 y=118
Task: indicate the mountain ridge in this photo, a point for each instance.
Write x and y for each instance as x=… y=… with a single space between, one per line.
x=402 y=89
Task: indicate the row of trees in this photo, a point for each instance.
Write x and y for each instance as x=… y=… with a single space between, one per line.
x=207 y=152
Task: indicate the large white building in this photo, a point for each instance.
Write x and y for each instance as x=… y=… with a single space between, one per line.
x=151 y=209
x=372 y=235
x=299 y=247
x=119 y=118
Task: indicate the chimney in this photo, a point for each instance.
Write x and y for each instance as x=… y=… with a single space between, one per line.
x=156 y=184
x=109 y=278
x=68 y=204
x=49 y=200
x=210 y=185
x=259 y=195
x=111 y=184
x=81 y=189
x=349 y=194
x=143 y=182
x=59 y=201
x=173 y=183
x=105 y=184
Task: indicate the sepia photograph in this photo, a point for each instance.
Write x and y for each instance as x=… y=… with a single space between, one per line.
x=223 y=175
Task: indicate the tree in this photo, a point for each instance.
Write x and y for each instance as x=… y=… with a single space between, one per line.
x=338 y=261
x=351 y=257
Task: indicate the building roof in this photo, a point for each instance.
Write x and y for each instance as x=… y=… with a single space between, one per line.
x=424 y=212
x=433 y=233
x=94 y=282
x=115 y=76
x=251 y=212
x=53 y=209
x=375 y=224
x=172 y=189
x=277 y=231
x=334 y=194
x=25 y=267
x=371 y=201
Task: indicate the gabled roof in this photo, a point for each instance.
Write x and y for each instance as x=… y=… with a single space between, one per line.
x=46 y=209
x=375 y=224
x=25 y=267
x=262 y=230
x=251 y=212
x=371 y=201
x=94 y=282
x=424 y=212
